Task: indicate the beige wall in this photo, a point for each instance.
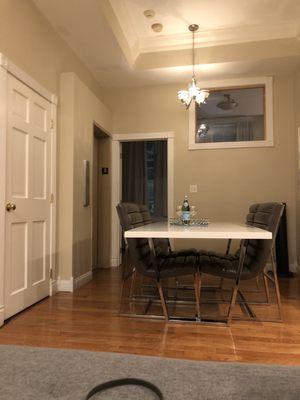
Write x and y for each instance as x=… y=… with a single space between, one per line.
x=228 y=180
x=30 y=42
x=65 y=180
x=297 y=133
x=81 y=109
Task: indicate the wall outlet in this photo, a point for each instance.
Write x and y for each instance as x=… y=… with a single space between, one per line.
x=193 y=188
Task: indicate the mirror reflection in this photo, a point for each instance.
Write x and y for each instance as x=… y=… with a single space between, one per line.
x=231 y=115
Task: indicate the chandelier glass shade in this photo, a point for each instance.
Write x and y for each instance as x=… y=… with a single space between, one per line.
x=193 y=92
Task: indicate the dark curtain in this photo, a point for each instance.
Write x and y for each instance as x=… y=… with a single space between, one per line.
x=134 y=182
x=139 y=184
x=160 y=183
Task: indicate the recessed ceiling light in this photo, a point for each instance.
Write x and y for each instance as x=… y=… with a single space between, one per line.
x=157 y=27
x=149 y=13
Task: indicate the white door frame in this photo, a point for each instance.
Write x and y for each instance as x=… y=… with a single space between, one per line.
x=116 y=182
x=7 y=67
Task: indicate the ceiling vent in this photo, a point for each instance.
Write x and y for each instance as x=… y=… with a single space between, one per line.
x=149 y=13
x=157 y=27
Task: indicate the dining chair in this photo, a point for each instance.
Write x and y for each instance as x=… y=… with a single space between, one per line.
x=264 y=275
x=252 y=258
x=150 y=258
x=162 y=246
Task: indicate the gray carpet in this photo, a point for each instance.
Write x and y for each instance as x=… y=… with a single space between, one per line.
x=44 y=374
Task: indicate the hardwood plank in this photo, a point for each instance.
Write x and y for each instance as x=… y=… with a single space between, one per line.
x=88 y=319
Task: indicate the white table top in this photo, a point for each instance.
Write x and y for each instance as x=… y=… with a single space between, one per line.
x=215 y=230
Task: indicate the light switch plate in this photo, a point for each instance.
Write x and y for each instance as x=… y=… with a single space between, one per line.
x=193 y=188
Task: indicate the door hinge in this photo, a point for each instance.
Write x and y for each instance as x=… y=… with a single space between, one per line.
x=51 y=198
x=52 y=124
x=51 y=273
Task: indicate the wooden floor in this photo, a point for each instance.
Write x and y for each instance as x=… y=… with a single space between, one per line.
x=88 y=319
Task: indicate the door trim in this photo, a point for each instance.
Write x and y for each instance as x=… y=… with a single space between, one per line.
x=7 y=67
x=116 y=182
x=3 y=127
x=22 y=76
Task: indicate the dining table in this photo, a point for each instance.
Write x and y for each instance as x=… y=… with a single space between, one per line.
x=213 y=230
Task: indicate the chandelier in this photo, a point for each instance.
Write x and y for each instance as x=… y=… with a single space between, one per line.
x=193 y=92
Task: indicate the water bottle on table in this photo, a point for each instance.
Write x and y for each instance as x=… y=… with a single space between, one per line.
x=185 y=211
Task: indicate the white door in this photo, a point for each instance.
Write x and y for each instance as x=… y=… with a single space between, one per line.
x=27 y=257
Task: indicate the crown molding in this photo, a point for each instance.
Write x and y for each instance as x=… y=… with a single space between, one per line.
x=123 y=34
x=122 y=14
x=133 y=46
x=216 y=37
x=3 y=61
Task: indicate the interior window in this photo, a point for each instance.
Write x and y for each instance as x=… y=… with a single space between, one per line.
x=231 y=115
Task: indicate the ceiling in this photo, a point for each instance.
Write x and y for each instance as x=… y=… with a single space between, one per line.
x=236 y=38
x=219 y=21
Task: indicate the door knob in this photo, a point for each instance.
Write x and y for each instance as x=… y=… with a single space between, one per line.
x=10 y=207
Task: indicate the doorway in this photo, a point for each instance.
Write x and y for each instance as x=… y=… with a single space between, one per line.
x=116 y=179
x=101 y=199
x=145 y=175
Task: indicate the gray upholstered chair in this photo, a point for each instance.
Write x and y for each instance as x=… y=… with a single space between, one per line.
x=251 y=260
x=162 y=246
x=158 y=262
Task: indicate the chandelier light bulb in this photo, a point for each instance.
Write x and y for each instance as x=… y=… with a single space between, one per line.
x=193 y=92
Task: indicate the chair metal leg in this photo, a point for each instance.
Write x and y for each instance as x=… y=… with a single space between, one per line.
x=228 y=246
x=237 y=281
x=227 y=252
x=267 y=291
x=132 y=284
x=245 y=305
x=232 y=303
x=121 y=294
x=197 y=286
x=277 y=290
x=126 y=274
x=162 y=299
x=257 y=282
x=200 y=288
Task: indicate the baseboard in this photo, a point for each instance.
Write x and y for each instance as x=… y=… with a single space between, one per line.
x=82 y=279
x=1 y=315
x=53 y=287
x=293 y=267
x=65 y=285
x=69 y=285
x=115 y=262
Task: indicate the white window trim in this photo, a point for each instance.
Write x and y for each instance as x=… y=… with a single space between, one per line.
x=116 y=182
x=231 y=83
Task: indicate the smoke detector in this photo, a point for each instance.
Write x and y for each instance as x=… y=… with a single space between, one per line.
x=149 y=13
x=157 y=27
